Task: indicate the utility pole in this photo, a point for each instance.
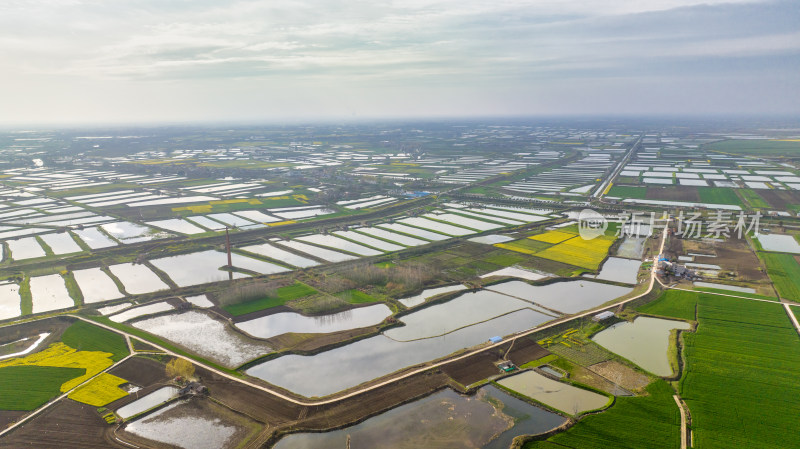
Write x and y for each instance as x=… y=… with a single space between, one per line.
x=228 y=247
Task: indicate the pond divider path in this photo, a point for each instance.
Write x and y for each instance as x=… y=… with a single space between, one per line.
x=308 y=402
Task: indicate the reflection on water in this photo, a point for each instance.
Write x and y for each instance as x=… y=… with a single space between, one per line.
x=568 y=297
x=429 y=293
x=347 y=366
x=280 y=323
x=466 y=309
x=490 y=419
x=619 y=270
x=147 y=402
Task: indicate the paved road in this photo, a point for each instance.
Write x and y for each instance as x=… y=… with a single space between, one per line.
x=600 y=190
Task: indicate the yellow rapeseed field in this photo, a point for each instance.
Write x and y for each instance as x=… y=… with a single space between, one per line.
x=553 y=236
x=61 y=355
x=103 y=389
x=579 y=252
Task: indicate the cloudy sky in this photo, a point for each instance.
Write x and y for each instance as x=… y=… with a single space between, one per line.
x=266 y=60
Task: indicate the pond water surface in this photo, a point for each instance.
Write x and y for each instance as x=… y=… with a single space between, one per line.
x=280 y=323
x=619 y=270
x=147 y=402
x=205 y=336
x=568 y=297
x=347 y=366
x=778 y=242
x=489 y=419
x=559 y=395
x=645 y=342
x=429 y=293
x=96 y=285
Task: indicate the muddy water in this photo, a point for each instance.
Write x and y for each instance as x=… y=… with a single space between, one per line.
x=561 y=396
x=645 y=342
x=490 y=419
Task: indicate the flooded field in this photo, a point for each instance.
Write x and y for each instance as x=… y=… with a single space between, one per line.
x=347 y=366
x=321 y=253
x=491 y=239
x=61 y=243
x=137 y=279
x=196 y=268
x=436 y=226
x=200 y=301
x=459 y=220
x=280 y=323
x=94 y=239
x=517 y=273
x=631 y=248
x=416 y=232
x=127 y=232
x=779 y=243
x=205 y=336
x=25 y=248
x=280 y=255
x=490 y=419
x=193 y=424
x=96 y=285
x=732 y=288
x=645 y=342
x=619 y=270
x=416 y=300
x=370 y=241
x=339 y=244
x=50 y=293
x=9 y=301
x=177 y=225
x=140 y=311
x=147 y=402
x=393 y=236
x=568 y=297
x=561 y=396
x=465 y=310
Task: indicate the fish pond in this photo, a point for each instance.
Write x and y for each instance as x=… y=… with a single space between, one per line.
x=559 y=395
x=490 y=419
x=347 y=366
x=281 y=323
x=645 y=342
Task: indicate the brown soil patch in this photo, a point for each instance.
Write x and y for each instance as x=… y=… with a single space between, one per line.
x=673 y=193
x=141 y=371
x=733 y=255
x=622 y=375
x=56 y=326
x=8 y=417
x=65 y=424
x=314 y=342
x=780 y=199
x=673 y=248
x=483 y=365
x=592 y=379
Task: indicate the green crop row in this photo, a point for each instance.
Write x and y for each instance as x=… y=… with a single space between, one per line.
x=784 y=272
x=651 y=422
